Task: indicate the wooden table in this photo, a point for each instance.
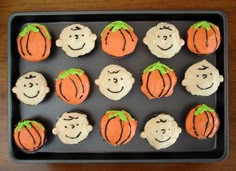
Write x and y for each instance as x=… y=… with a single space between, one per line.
x=9 y=6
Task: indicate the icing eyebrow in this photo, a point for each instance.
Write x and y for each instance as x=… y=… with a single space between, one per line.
x=76 y=28
x=203 y=67
x=70 y=118
x=113 y=72
x=165 y=27
x=161 y=121
x=30 y=76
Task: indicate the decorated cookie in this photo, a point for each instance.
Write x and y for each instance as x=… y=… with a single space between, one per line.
x=118 y=127
x=163 y=40
x=34 y=42
x=29 y=135
x=203 y=38
x=76 y=40
x=161 y=131
x=158 y=80
x=202 y=122
x=115 y=82
x=202 y=79
x=118 y=39
x=72 y=128
x=31 y=88
x=72 y=86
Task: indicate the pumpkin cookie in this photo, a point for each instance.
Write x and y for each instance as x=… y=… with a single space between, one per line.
x=203 y=38
x=29 y=135
x=161 y=131
x=115 y=82
x=31 y=88
x=34 y=42
x=72 y=86
x=118 y=127
x=202 y=79
x=163 y=40
x=158 y=80
x=76 y=40
x=118 y=39
x=202 y=122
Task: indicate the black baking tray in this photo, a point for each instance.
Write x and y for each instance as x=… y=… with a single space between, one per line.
x=94 y=149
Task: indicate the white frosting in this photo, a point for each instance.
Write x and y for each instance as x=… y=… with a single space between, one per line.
x=31 y=88
x=115 y=82
x=72 y=128
x=76 y=40
x=202 y=79
x=161 y=131
x=163 y=40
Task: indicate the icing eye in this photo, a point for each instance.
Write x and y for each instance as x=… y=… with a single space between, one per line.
x=109 y=79
x=197 y=75
x=169 y=129
x=24 y=85
x=210 y=73
x=65 y=126
x=156 y=131
x=121 y=78
x=70 y=36
x=158 y=36
x=82 y=35
x=77 y=124
x=37 y=84
x=170 y=35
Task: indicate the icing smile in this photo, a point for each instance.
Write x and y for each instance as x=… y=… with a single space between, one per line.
x=163 y=140
x=74 y=137
x=31 y=96
x=205 y=88
x=116 y=91
x=165 y=48
x=76 y=48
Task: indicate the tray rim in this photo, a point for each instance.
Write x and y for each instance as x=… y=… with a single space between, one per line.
x=87 y=12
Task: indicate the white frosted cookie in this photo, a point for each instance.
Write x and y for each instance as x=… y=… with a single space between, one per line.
x=31 y=88
x=72 y=128
x=115 y=82
x=202 y=79
x=163 y=40
x=76 y=40
x=161 y=131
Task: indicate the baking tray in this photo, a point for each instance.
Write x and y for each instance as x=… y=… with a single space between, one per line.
x=94 y=149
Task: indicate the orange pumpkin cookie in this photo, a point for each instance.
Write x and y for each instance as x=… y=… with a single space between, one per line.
x=118 y=127
x=118 y=39
x=29 y=135
x=158 y=80
x=72 y=86
x=34 y=42
x=203 y=38
x=202 y=122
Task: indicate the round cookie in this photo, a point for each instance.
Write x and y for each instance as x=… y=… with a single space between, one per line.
x=202 y=79
x=202 y=122
x=76 y=40
x=118 y=127
x=158 y=80
x=29 y=135
x=31 y=88
x=163 y=40
x=72 y=128
x=203 y=38
x=72 y=86
x=118 y=39
x=161 y=131
x=34 y=42
x=115 y=82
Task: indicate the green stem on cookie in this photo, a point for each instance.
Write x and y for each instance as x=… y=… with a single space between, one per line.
x=158 y=66
x=71 y=71
x=202 y=109
x=120 y=113
x=205 y=24
x=32 y=27
x=27 y=123
x=117 y=25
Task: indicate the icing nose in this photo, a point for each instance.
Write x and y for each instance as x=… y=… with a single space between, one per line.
x=115 y=80
x=204 y=76
x=163 y=131
x=76 y=36
x=165 y=37
x=30 y=85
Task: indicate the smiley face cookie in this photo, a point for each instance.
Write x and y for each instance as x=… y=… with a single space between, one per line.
x=76 y=40
x=31 y=88
x=72 y=128
x=163 y=40
x=161 y=131
x=202 y=79
x=115 y=82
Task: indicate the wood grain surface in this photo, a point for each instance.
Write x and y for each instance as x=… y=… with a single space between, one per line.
x=9 y=6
